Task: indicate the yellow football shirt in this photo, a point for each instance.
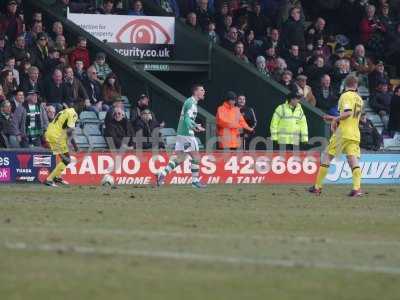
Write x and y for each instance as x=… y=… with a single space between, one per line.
x=63 y=120
x=348 y=128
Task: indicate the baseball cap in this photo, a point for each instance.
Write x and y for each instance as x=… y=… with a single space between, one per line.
x=230 y=95
x=32 y=92
x=293 y=95
x=340 y=49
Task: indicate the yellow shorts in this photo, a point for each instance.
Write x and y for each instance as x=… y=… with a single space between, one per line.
x=345 y=146
x=57 y=145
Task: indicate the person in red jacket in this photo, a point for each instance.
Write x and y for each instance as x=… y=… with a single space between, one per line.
x=229 y=120
x=369 y=25
x=11 y=24
x=80 y=53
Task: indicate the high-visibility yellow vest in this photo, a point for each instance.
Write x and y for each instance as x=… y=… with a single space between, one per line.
x=288 y=125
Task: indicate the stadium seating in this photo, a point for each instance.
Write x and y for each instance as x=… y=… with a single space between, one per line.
x=92 y=129
x=97 y=142
x=82 y=141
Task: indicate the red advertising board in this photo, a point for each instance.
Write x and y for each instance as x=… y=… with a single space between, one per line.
x=215 y=168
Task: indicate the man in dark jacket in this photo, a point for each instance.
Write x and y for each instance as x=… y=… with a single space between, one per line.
x=326 y=97
x=19 y=50
x=74 y=92
x=118 y=129
x=293 y=30
x=380 y=101
x=370 y=137
x=93 y=89
x=143 y=103
x=33 y=82
x=6 y=125
x=39 y=52
x=146 y=131
x=294 y=62
x=376 y=76
x=11 y=23
x=394 y=118
x=18 y=119
x=250 y=118
x=258 y=21
x=53 y=92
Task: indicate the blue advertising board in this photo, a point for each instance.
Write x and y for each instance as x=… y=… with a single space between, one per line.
x=25 y=166
x=375 y=169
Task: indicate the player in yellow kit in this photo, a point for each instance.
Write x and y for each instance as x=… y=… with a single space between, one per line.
x=345 y=138
x=57 y=134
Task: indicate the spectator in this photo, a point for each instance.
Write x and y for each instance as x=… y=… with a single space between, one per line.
x=250 y=118
x=147 y=130
x=53 y=92
x=281 y=67
x=271 y=58
x=392 y=51
x=211 y=34
x=231 y=39
x=274 y=38
x=73 y=91
x=102 y=68
x=119 y=129
x=39 y=52
x=57 y=30
x=61 y=45
x=52 y=62
x=32 y=35
x=316 y=70
x=386 y=18
x=225 y=27
x=2 y=96
x=18 y=120
x=351 y=13
x=370 y=137
x=37 y=17
x=294 y=62
x=111 y=89
x=61 y=6
x=10 y=23
x=8 y=83
x=340 y=72
x=19 y=51
x=326 y=97
x=118 y=103
x=394 y=117
x=289 y=124
x=360 y=63
x=317 y=31
x=251 y=46
x=286 y=80
x=286 y=9
x=36 y=119
x=191 y=21
x=93 y=89
x=340 y=53
x=258 y=21
x=305 y=90
x=23 y=71
x=293 y=30
x=262 y=66
x=10 y=65
x=79 y=70
x=5 y=125
x=2 y=50
x=204 y=15
x=370 y=26
x=220 y=16
x=142 y=104
x=80 y=53
x=107 y=8
x=229 y=121
x=32 y=83
x=376 y=76
x=239 y=52
x=136 y=8
x=169 y=6
x=51 y=112
x=380 y=102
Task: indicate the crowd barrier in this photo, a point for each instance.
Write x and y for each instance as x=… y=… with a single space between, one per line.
x=139 y=168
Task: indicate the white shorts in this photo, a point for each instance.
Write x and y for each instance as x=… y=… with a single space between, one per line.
x=186 y=143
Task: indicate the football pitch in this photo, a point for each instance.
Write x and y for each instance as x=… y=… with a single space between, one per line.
x=225 y=242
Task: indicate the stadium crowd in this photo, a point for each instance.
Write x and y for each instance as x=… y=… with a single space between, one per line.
x=307 y=46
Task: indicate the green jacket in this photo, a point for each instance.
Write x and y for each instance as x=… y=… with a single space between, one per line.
x=289 y=126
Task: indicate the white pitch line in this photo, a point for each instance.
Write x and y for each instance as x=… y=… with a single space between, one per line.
x=195 y=235
x=203 y=258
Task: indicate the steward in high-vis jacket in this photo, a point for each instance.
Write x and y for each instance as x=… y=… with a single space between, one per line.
x=289 y=124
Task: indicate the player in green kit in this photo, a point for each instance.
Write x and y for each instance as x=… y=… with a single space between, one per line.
x=186 y=143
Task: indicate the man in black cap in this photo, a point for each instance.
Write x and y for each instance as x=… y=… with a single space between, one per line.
x=340 y=53
x=376 y=76
x=142 y=104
